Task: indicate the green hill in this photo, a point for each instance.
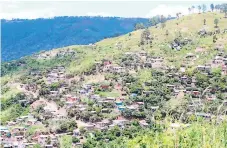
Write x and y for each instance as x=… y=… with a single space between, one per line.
x=178 y=66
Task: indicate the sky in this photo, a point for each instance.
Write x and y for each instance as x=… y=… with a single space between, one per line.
x=32 y=9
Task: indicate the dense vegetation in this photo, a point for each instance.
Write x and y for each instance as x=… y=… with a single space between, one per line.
x=24 y=37
x=200 y=134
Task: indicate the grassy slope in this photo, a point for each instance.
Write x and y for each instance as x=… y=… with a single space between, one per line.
x=106 y=49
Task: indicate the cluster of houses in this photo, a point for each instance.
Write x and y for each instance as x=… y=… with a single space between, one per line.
x=138 y=60
x=44 y=55
x=56 y=75
x=13 y=134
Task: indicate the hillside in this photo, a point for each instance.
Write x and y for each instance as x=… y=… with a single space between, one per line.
x=164 y=86
x=24 y=37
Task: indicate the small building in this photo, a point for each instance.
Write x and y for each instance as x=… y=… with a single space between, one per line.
x=76 y=132
x=89 y=126
x=143 y=123
x=121 y=108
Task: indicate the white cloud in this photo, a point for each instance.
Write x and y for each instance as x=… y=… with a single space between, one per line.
x=168 y=10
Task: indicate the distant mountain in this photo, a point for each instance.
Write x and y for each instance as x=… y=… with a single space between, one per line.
x=24 y=37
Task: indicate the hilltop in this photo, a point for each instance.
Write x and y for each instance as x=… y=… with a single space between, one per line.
x=22 y=37
x=139 y=86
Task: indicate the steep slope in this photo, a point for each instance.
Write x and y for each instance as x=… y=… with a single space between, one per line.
x=24 y=37
x=172 y=72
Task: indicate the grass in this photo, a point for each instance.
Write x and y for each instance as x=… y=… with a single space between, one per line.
x=13 y=112
x=197 y=135
x=12 y=92
x=32 y=129
x=109 y=94
x=65 y=141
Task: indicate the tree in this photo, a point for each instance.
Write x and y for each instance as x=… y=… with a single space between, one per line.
x=225 y=9
x=67 y=126
x=162 y=19
x=204 y=22
x=193 y=7
x=217 y=7
x=216 y=21
x=139 y=26
x=154 y=21
x=189 y=10
x=204 y=7
x=75 y=139
x=212 y=7
x=199 y=8
x=177 y=15
x=167 y=32
x=145 y=36
x=214 y=39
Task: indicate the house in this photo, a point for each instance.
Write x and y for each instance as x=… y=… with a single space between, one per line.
x=31 y=121
x=107 y=68
x=89 y=126
x=142 y=53
x=182 y=69
x=110 y=99
x=105 y=110
x=103 y=123
x=121 y=108
x=133 y=95
x=82 y=91
x=190 y=56
x=118 y=69
x=19 y=138
x=184 y=78
x=147 y=93
x=4 y=131
x=140 y=103
x=132 y=107
x=119 y=103
x=148 y=64
x=204 y=115
x=195 y=93
x=120 y=122
x=143 y=123
x=87 y=86
x=28 y=145
x=204 y=68
x=225 y=102
x=224 y=69
x=42 y=139
x=211 y=97
x=18 y=131
x=170 y=86
x=154 y=108
x=105 y=85
x=72 y=99
x=107 y=62
x=11 y=123
x=54 y=93
x=48 y=146
x=76 y=132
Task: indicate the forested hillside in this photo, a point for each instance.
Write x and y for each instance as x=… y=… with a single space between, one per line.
x=161 y=86
x=24 y=37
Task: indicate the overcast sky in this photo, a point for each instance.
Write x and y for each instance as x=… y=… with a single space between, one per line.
x=45 y=9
